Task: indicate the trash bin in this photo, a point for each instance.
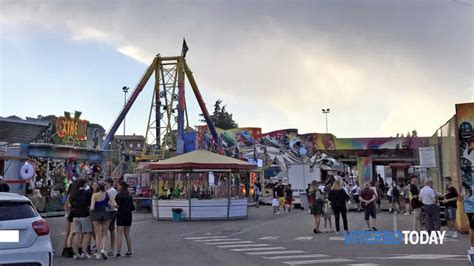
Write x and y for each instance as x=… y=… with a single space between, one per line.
x=176 y=214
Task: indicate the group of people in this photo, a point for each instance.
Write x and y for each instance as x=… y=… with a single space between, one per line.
x=282 y=197
x=332 y=199
x=95 y=210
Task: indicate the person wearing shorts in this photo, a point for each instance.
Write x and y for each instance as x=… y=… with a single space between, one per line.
x=368 y=199
x=355 y=191
x=100 y=217
x=450 y=202
x=109 y=187
x=279 y=192
x=81 y=223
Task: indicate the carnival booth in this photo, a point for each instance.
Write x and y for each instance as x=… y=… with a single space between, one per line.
x=204 y=185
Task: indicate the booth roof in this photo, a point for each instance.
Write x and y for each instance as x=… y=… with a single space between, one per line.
x=201 y=159
x=21 y=131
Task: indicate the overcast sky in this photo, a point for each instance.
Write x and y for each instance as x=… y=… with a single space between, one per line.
x=382 y=67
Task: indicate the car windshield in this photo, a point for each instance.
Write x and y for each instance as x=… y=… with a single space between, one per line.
x=14 y=210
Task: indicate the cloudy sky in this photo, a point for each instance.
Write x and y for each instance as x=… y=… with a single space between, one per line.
x=381 y=66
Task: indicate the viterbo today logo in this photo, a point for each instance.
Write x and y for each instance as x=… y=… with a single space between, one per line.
x=394 y=237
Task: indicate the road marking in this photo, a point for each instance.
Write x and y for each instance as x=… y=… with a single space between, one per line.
x=363 y=264
x=316 y=261
x=304 y=238
x=244 y=246
x=450 y=239
x=205 y=229
x=305 y=256
x=418 y=257
x=269 y=238
x=230 y=243
x=205 y=237
x=258 y=249
x=144 y=222
x=276 y=252
x=339 y=238
x=215 y=240
x=266 y=223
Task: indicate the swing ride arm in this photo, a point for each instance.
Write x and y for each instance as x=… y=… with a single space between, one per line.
x=129 y=103
x=198 y=95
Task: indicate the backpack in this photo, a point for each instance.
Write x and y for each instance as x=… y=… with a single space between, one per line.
x=395 y=192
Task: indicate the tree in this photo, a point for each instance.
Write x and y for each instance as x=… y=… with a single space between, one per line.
x=221 y=118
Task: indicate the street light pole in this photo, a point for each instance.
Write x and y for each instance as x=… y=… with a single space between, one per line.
x=125 y=90
x=326 y=112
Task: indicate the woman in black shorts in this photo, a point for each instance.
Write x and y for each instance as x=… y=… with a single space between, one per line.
x=124 y=218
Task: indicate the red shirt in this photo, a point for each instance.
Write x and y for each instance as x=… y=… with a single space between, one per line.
x=367 y=194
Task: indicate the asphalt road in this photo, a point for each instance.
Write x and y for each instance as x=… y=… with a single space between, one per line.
x=265 y=239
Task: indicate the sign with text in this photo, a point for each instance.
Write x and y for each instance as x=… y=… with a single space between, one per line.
x=427 y=157
x=71 y=127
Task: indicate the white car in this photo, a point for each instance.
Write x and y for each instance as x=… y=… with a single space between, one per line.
x=17 y=214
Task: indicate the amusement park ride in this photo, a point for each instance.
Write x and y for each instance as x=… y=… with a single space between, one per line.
x=168 y=107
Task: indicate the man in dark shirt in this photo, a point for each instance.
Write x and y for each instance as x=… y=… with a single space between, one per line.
x=415 y=203
x=80 y=204
x=368 y=198
x=3 y=186
x=279 y=192
x=450 y=203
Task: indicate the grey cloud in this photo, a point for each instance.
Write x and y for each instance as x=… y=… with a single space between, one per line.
x=294 y=57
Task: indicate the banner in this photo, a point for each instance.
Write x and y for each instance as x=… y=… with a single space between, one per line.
x=465 y=120
x=364 y=169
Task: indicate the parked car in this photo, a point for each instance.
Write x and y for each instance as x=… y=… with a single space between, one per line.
x=18 y=214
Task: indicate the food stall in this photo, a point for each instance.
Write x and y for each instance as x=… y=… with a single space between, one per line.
x=204 y=185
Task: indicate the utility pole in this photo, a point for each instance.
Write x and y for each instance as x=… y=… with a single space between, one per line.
x=326 y=112
x=125 y=90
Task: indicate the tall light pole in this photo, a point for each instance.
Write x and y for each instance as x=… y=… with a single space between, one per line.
x=125 y=90
x=326 y=112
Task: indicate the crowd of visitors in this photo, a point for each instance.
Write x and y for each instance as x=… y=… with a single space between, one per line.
x=94 y=209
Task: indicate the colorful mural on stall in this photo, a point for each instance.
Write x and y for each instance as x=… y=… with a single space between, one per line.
x=237 y=142
x=465 y=122
x=380 y=143
x=364 y=167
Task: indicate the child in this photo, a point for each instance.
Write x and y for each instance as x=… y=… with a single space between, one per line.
x=276 y=206
x=327 y=215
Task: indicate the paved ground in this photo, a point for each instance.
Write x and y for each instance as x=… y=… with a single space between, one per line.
x=264 y=239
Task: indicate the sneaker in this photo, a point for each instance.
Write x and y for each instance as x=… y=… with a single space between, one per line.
x=103 y=254
x=76 y=257
x=406 y=213
x=118 y=255
x=129 y=254
x=98 y=256
x=373 y=228
x=454 y=234
x=83 y=256
x=70 y=253
x=470 y=256
x=111 y=253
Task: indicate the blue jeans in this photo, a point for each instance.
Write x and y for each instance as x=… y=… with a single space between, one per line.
x=451 y=214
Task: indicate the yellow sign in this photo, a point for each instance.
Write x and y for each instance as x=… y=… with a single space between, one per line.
x=71 y=127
